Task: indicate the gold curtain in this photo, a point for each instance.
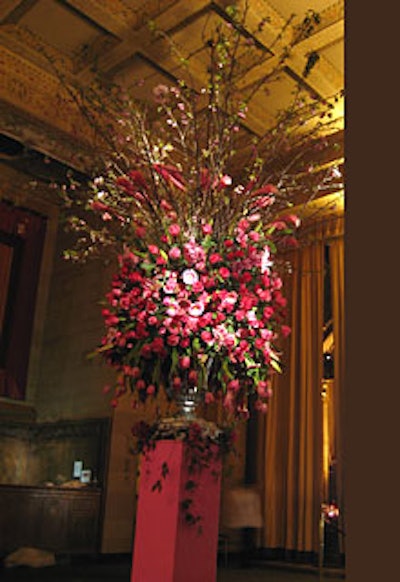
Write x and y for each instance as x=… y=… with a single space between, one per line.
x=293 y=463
x=293 y=429
x=336 y=255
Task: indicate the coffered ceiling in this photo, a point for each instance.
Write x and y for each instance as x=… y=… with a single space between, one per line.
x=114 y=35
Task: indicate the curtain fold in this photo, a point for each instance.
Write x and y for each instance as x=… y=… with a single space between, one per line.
x=336 y=256
x=293 y=453
x=292 y=471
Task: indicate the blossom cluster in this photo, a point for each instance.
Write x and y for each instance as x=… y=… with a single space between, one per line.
x=199 y=311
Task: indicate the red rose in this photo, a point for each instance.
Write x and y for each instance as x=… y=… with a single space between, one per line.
x=224 y=272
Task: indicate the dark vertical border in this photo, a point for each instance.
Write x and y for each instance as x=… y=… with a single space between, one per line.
x=372 y=293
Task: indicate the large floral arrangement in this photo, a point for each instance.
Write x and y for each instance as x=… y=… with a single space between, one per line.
x=200 y=310
x=197 y=301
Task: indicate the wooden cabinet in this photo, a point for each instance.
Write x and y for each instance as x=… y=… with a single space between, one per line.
x=56 y=519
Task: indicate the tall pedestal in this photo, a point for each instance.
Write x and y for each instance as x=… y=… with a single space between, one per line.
x=166 y=547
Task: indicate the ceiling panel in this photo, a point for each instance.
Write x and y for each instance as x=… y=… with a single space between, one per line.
x=60 y=27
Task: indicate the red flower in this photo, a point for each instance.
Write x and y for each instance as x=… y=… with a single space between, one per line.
x=140 y=232
x=215 y=258
x=267 y=189
x=224 y=272
x=192 y=377
x=171 y=175
x=99 y=206
x=137 y=178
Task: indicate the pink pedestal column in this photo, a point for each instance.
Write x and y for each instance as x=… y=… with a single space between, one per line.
x=166 y=548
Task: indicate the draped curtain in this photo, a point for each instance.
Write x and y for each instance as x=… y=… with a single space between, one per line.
x=293 y=430
x=336 y=255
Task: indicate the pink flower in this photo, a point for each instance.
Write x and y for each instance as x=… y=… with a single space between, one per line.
x=233 y=385
x=198 y=287
x=285 y=330
x=174 y=229
x=268 y=312
x=206 y=336
x=254 y=235
x=207 y=229
x=184 y=362
x=173 y=340
x=153 y=249
x=240 y=314
x=174 y=253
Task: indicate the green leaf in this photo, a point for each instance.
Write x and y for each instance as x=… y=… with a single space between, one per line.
x=276 y=366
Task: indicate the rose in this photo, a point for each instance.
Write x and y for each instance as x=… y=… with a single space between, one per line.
x=224 y=272
x=215 y=258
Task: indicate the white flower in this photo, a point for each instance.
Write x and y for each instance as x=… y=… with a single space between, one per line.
x=266 y=263
x=196 y=309
x=190 y=276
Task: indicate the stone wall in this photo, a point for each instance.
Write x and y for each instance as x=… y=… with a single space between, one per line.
x=70 y=383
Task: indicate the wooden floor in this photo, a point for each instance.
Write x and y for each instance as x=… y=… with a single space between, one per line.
x=119 y=571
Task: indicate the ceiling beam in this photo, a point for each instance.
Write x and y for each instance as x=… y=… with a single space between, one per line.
x=324 y=79
x=137 y=41
x=97 y=13
x=13 y=9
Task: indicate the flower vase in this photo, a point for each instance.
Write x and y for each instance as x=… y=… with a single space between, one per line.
x=187 y=402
